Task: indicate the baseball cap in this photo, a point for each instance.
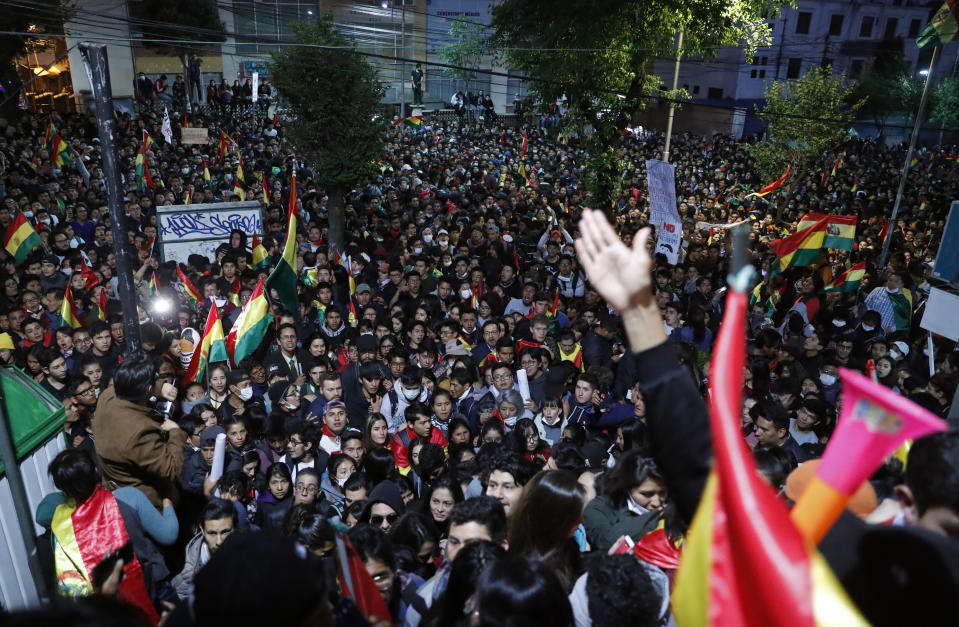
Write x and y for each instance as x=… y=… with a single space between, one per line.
x=334 y=405
x=208 y=435
x=363 y=288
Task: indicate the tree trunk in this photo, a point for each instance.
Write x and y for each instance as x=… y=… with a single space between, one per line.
x=336 y=218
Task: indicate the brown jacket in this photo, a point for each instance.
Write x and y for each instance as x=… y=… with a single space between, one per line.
x=134 y=450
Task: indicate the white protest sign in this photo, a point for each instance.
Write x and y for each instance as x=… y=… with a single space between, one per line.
x=670 y=239
x=661 y=179
x=256 y=86
x=199 y=229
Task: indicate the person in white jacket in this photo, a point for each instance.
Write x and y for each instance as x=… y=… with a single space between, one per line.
x=406 y=389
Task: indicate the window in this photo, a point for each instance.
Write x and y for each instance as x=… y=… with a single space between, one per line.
x=891 y=25
x=715 y=93
x=856 y=67
x=762 y=73
x=764 y=61
x=794 y=67
x=914 y=28
x=835 y=25
x=752 y=74
x=802 y=23
x=695 y=89
x=865 y=29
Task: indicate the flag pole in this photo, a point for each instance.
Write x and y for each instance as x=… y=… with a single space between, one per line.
x=912 y=148
x=672 y=105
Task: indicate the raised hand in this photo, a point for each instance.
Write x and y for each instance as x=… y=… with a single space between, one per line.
x=619 y=273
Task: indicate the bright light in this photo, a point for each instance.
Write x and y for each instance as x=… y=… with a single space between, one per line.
x=162 y=305
x=923 y=72
x=385 y=4
x=309 y=12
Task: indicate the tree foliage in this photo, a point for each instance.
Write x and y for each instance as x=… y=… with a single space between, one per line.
x=886 y=87
x=598 y=55
x=946 y=99
x=335 y=97
x=466 y=50
x=806 y=118
x=42 y=17
x=177 y=27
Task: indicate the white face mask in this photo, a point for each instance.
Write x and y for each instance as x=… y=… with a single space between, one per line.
x=427 y=239
x=27 y=214
x=466 y=294
x=839 y=323
x=867 y=327
x=246 y=393
x=826 y=379
x=418 y=250
x=411 y=394
x=896 y=355
x=443 y=243
x=511 y=422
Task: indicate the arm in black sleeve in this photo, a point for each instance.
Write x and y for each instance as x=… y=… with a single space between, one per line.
x=677 y=424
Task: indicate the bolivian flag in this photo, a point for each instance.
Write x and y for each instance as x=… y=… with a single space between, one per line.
x=153 y=284
x=259 y=253
x=206 y=171
x=799 y=249
x=575 y=357
x=68 y=311
x=840 y=230
x=772 y=186
x=266 y=191
x=942 y=28
x=414 y=121
x=283 y=277
x=250 y=326
x=237 y=190
x=99 y=310
x=234 y=294
x=212 y=348
x=21 y=238
x=90 y=279
x=744 y=562
x=189 y=289
x=82 y=536
x=848 y=281
x=61 y=151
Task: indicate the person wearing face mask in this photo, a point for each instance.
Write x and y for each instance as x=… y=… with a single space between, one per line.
x=894 y=303
x=829 y=377
x=407 y=389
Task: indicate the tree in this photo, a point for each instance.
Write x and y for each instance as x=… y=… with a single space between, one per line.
x=598 y=55
x=466 y=50
x=806 y=118
x=885 y=87
x=336 y=123
x=175 y=27
x=946 y=99
x=42 y=19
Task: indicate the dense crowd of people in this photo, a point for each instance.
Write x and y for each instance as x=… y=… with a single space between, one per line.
x=474 y=424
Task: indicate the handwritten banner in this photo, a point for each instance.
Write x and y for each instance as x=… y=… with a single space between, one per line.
x=194 y=135
x=661 y=179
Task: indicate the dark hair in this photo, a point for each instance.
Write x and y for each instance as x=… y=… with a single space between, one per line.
x=412 y=530
x=775 y=463
x=470 y=563
x=278 y=469
x=133 y=378
x=634 y=434
x=216 y=509
x=542 y=522
x=485 y=511
x=630 y=471
x=621 y=593
x=932 y=471
x=74 y=473
x=313 y=531
x=371 y=543
x=515 y=587
x=770 y=410
x=379 y=465
x=415 y=409
x=234 y=482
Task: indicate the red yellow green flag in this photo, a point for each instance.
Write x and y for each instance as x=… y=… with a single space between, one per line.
x=942 y=28
x=848 y=281
x=153 y=284
x=61 y=151
x=250 y=326
x=414 y=121
x=260 y=259
x=266 y=191
x=99 y=309
x=799 y=249
x=90 y=279
x=212 y=348
x=234 y=294
x=744 y=562
x=772 y=186
x=206 y=171
x=840 y=230
x=21 y=238
x=189 y=289
x=68 y=311
x=283 y=277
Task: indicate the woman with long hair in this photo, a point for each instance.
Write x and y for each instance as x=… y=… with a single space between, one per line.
x=544 y=520
x=438 y=501
x=631 y=490
x=376 y=433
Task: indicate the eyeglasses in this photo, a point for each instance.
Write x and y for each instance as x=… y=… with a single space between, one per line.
x=305 y=489
x=85 y=392
x=295 y=442
x=377 y=520
x=502 y=377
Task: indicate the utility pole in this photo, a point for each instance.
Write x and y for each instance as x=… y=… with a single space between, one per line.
x=672 y=105
x=98 y=69
x=403 y=60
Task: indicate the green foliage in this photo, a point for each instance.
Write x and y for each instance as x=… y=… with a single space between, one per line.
x=466 y=50
x=806 y=117
x=883 y=86
x=176 y=21
x=43 y=17
x=335 y=97
x=946 y=99
x=598 y=55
